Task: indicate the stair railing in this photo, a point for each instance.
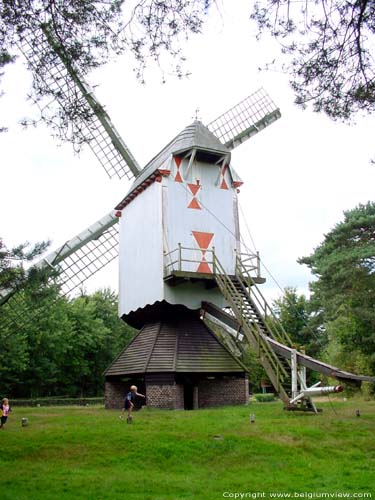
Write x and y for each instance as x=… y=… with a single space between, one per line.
x=274 y=368
x=272 y=323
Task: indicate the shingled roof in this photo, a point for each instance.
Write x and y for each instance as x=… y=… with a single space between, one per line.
x=180 y=346
x=195 y=136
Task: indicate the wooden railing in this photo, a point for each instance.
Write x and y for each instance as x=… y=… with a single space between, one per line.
x=180 y=258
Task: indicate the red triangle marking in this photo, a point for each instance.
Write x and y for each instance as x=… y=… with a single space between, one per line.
x=194 y=188
x=178 y=161
x=178 y=177
x=194 y=204
x=223 y=185
x=203 y=239
x=204 y=268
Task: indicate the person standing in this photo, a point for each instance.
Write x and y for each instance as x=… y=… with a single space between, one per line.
x=5 y=410
x=129 y=402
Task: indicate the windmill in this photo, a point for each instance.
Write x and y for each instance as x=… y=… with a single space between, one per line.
x=181 y=258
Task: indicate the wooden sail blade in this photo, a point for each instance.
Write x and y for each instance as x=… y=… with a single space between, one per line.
x=88 y=121
x=246 y=119
x=70 y=266
x=88 y=260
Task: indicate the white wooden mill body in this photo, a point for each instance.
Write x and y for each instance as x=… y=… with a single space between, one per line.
x=181 y=207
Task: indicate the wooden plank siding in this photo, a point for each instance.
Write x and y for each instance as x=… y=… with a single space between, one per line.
x=200 y=351
x=133 y=359
x=177 y=346
x=163 y=354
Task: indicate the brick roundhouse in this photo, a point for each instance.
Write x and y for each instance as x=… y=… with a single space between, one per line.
x=178 y=364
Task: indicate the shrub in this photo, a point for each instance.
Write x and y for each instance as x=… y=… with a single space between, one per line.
x=264 y=398
x=57 y=402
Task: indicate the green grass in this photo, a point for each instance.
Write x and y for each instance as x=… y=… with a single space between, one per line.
x=88 y=453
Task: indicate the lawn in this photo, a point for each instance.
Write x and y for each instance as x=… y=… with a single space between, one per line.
x=88 y=453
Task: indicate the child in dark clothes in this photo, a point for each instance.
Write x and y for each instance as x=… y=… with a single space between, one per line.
x=128 y=402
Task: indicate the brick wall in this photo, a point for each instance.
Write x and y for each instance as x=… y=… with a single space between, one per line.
x=167 y=396
x=219 y=392
x=114 y=395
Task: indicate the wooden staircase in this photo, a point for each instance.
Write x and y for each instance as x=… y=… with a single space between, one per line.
x=258 y=322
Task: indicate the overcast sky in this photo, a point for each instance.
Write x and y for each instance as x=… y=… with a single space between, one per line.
x=300 y=173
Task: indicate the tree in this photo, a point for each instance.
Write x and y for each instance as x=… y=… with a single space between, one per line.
x=29 y=332
x=13 y=353
x=257 y=373
x=293 y=311
x=13 y=273
x=52 y=344
x=5 y=58
x=327 y=44
x=343 y=295
x=47 y=345
x=63 y=347
x=86 y=34
x=120 y=334
x=96 y=338
x=20 y=287
x=330 y=44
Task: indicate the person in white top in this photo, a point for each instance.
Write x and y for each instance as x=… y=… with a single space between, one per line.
x=4 y=411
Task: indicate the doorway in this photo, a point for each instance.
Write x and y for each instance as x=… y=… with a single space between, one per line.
x=188 y=396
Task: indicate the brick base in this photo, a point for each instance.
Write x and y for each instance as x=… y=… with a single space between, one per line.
x=114 y=395
x=116 y=390
x=166 y=396
x=220 y=392
x=170 y=395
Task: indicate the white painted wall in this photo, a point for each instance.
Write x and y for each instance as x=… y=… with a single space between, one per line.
x=141 y=251
x=192 y=295
x=218 y=214
x=157 y=220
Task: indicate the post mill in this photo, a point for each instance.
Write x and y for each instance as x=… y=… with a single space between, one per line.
x=186 y=280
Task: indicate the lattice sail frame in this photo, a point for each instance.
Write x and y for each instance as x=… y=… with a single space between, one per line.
x=84 y=255
x=245 y=119
x=87 y=260
x=71 y=264
x=92 y=125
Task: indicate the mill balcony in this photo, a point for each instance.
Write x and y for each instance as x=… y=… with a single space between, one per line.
x=194 y=264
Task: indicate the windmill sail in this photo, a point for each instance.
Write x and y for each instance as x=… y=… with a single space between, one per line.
x=71 y=264
x=84 y=255
x=91 y=124
x=246 y=119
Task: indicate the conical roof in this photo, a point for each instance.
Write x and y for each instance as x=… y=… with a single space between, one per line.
x=184 y=345
x=195 y=136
